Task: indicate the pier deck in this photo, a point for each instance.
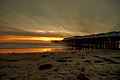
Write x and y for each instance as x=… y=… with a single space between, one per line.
x=109 y=40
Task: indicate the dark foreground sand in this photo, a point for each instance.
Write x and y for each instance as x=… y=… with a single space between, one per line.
x=74 y=65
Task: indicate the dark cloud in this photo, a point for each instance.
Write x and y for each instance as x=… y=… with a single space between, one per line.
x=10 y=31
x=64 y=17
x=18 y=32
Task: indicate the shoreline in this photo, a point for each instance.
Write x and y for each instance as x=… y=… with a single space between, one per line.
x=72 y=65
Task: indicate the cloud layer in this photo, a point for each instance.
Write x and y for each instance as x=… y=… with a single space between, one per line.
x=58 y=17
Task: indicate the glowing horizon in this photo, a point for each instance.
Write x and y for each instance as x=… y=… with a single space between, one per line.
x=28 y=39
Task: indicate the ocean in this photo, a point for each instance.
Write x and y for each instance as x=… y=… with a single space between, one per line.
x=31 y=47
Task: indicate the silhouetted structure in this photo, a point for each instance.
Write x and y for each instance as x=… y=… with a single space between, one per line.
x=56 y=42
x=109 y=40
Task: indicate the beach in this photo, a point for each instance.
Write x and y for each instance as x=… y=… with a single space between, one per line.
x=67 y=65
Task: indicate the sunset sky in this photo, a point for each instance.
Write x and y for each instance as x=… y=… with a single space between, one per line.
x=44 y=20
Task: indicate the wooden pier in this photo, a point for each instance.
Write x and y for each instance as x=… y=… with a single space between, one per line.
x=109 y=40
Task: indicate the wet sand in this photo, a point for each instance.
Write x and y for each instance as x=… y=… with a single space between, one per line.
x=73 y=65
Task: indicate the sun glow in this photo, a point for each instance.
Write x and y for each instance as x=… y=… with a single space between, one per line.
x=28 y=39
x=49 y=38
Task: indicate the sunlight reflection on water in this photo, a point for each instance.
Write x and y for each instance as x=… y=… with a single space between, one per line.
x=31 y=50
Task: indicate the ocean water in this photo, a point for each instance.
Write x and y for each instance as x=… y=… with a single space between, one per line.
x=31 y=47
x=27 y=45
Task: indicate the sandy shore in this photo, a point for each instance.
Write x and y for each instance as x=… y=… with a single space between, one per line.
x=74 y=65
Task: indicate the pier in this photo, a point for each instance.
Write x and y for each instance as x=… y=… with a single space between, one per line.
x=110 y=40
